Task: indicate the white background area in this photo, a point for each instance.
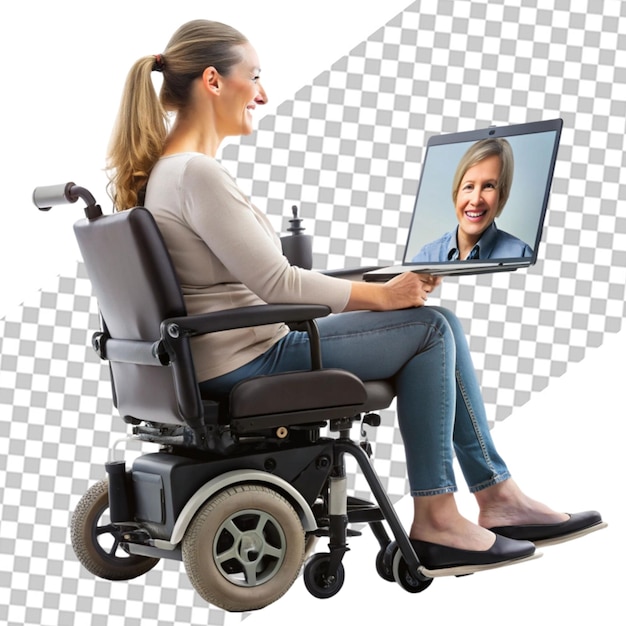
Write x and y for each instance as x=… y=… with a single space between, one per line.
x=63 y=66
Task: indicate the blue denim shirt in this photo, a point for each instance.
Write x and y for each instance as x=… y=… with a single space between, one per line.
x=494 y=244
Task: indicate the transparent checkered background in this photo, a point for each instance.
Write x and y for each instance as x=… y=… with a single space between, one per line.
x=347 y=149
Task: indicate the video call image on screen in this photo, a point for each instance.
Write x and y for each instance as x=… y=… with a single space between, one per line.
x=435 y=218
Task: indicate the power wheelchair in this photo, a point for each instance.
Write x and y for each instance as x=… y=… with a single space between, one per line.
x=240 y=487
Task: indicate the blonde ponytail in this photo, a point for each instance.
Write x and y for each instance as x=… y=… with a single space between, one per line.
x=138 y=136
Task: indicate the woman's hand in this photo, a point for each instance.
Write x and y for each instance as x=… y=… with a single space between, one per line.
x=410 y=289
x=401 y=292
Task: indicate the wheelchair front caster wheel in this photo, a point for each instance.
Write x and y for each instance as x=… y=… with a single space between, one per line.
x=413 y=583
x=384 y=560
x=317 y=580
x=96 y=542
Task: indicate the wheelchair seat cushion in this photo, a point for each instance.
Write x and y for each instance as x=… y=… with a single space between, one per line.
x=296 y=391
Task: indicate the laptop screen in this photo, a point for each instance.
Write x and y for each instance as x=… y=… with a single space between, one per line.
x=483 y=195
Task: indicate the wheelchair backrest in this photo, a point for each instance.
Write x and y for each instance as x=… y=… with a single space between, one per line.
x=136 y=287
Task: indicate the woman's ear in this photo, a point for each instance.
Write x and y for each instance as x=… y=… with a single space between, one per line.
x=211 y=79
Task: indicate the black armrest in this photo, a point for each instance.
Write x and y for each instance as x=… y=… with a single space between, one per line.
x=230 y=319
x=176 y=328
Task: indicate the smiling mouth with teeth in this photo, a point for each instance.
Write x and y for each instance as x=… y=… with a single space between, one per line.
x=475 y=215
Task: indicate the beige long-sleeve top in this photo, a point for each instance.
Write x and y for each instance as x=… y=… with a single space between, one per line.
x=227 y=256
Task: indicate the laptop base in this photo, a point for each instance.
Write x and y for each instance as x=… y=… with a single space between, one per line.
x=384 y=274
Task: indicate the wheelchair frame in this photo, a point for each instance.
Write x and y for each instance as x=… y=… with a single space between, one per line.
x=239 y=502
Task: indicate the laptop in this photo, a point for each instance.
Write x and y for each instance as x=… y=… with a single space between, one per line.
x=481 y=201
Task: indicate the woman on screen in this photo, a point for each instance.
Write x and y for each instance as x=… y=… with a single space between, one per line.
x=480 y=189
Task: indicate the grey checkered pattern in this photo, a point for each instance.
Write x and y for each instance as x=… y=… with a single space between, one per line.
x=347 y=149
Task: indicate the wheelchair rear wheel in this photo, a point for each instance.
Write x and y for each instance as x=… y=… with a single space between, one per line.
x=244 y=548
x=96 y=542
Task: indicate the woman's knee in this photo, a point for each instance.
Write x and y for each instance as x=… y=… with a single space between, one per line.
x=451 y=319
x=436 y=320
x=439 y=318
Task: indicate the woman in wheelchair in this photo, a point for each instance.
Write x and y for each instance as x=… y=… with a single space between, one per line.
x=227 y=256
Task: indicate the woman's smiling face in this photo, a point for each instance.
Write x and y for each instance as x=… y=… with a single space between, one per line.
x=241 y=94
x=477 y=198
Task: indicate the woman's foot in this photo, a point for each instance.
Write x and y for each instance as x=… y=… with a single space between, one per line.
x=504 y=504
x=505 y=510
x=446 y=543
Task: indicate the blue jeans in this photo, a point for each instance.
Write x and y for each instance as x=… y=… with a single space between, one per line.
x=439 y=404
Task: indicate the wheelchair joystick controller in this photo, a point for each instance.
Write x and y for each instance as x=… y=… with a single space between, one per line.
x=298 y=248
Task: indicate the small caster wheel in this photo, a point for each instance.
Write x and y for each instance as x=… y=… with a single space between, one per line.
x=317 y=580
x=384 y=561
x=413 y=583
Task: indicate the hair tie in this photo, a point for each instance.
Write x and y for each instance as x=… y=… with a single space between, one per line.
x=158 y=64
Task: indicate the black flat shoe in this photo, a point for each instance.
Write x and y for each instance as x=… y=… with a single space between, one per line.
x=438 y=560
x=577 y=525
